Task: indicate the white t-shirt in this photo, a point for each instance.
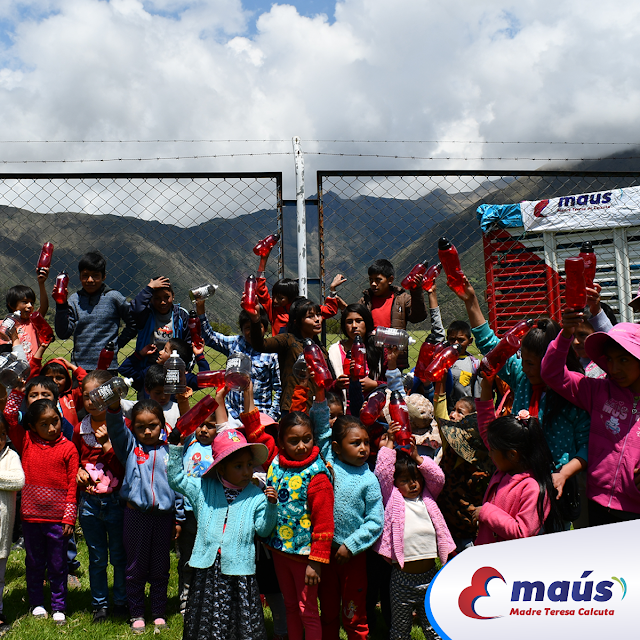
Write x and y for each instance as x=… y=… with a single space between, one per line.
x=419 y=535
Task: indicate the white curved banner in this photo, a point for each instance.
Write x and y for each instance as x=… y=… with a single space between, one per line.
x=577 y=584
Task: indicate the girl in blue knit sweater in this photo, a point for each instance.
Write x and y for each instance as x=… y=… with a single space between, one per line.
x=224 y=599
x=358 y=515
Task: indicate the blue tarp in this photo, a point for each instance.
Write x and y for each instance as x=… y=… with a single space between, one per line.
x=503 y=215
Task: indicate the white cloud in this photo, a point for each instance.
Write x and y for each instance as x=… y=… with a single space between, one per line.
x=433 y=70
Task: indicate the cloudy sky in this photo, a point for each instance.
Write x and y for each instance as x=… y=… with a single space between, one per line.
x=461 y=74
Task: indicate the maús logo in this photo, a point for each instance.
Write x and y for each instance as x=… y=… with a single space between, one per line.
x=577 y=581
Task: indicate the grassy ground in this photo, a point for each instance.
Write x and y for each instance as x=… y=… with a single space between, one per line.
x=79 y=618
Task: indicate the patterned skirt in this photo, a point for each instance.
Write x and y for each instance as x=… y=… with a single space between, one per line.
x=223 y=607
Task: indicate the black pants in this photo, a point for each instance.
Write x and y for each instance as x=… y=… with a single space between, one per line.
x=603 y=515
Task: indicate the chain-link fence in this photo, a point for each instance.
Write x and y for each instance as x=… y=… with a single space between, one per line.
x=195 y=229
x=364 y=216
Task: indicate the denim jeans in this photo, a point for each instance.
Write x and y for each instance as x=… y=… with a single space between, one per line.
x=101 y=518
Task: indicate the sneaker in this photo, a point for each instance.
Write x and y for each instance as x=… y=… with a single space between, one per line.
x=100 y=615
x=39 y=612
x=59 y=617
x=138 y=625
x=120 y=611
x=73 y=582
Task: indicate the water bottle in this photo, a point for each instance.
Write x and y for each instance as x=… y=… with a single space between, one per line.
x=195 y=330
x=210 y=379
x=175 y=378
x=575 y=293
x=264 y=247
x=45 y=256
x=106 y=357
x=13 y=372
x=203 y=292
x=43 y=330
x=450 y=260
x=442 y=362
x=200 y=411
x=8 y=326
x=109 y=392
x=300 y=370
x=373 y=407
x=387 y=337
x=409 y=281
x=250 y=300
x=589 y=256
x=61 y=288
x=430 y=277
x=425 y=357
x=521 y=329
x=238 y=374
x=315 y=361
x=498 y=356
x=359 y=357
x=399 y=412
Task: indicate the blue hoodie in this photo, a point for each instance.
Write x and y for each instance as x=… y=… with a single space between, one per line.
x=145 y=483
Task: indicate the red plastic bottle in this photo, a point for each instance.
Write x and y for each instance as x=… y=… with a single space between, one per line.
x=373 y=407
x=451 y=264
x=264 y=247
x=498 y=356
x=521 y=329
x=359 y=357
x=315 y=361
x=61 y=288
x=590 y=262
x=430 y=277
x=250 y=299
x=427 y=351
x=409 y=281
x=191 y=420
x=195 y=330
x=211 y=379
x=399 y=413
x=106 y=357
x=575 y=293
x=45 y=255
x=442 y=361
x=43 y=330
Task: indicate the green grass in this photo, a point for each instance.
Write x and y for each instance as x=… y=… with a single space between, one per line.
x=79 y=617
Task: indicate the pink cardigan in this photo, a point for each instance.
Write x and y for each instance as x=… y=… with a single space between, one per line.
x=391 y=543
x=510 y=508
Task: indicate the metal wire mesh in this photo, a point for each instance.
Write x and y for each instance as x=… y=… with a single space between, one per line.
x=364 y=216
x=195 y=229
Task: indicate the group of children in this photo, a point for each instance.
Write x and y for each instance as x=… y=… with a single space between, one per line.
x=283 y=492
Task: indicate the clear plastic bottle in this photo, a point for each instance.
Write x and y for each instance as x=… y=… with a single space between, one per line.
x=106 y=356
x=238 y=374
x=203 y=292
x=200 y=411
x=8 y=326
x=387 y=337
x=109 y=392
x=175 y=377
x=300 y=370
x=61 y=288
x=13 y=372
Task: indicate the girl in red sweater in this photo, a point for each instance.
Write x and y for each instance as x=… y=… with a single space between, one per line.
x=48 y=508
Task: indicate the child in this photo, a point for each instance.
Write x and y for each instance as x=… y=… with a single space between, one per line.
x=11 y=481
x=464 y=372
x=285 y=292
x=100 y=510
x=92 y=316
x=265 y=371
x=358 y=517
x=22 y=299
x=414 y=532
x=149 y=511
x=224 y=599
x=136 y=367
x=304 y=531
x=157 y=318
x=48 y=506
x=70 y=397
x=392 y=306
x=614 y=459
x=517 y=502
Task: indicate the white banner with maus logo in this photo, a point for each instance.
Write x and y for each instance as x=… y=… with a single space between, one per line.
x=577 y=584
x=597 y=210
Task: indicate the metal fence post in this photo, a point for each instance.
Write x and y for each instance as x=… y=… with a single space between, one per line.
x=301 y=218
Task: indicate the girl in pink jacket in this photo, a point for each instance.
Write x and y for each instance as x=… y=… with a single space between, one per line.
x=414 y=532
x=517 y=501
